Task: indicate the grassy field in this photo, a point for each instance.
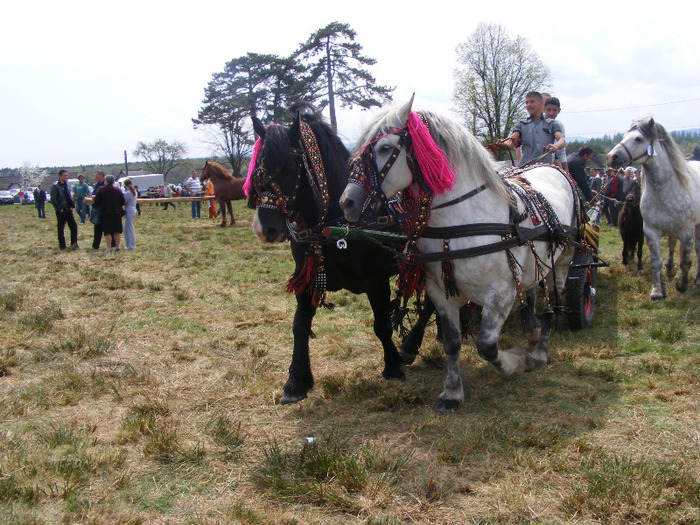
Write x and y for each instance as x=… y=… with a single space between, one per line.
x=144 y=387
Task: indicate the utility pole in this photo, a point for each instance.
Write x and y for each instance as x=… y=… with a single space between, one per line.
x=126 y=164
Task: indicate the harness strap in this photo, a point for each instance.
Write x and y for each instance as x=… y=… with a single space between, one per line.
x=539 y=233
x=464 y=197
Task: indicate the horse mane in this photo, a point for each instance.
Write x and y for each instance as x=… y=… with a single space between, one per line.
x=223 y=172
x=652 y=130
x=462 y=149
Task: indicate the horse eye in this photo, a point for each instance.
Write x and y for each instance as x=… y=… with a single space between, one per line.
x=638 y=139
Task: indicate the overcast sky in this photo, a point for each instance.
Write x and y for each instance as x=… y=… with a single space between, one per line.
x=83 y=81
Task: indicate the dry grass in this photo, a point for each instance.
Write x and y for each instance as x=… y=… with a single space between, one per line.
x=144 y=388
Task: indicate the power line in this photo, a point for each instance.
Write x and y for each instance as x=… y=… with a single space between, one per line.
x=634 y=107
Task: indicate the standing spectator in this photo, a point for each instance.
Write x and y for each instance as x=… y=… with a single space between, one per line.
x=130 y=196
x=577 y=168
x=167 y=193
x=596 y=181
x=64 y=205
x=110 y=200
x=80 y=191
x=211 y=203
x=40 y=201
x=615 y=196
x=194 y=188
x=536 y=134
x=97 y=228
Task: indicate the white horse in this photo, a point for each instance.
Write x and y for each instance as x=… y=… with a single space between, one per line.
x=670 y=202
x=477 y=195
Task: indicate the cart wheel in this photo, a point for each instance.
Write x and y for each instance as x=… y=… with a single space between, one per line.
x=580 y=291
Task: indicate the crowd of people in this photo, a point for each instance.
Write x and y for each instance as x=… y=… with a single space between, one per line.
x=111 y=203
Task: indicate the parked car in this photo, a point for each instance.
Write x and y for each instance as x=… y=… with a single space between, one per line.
x=6 y=197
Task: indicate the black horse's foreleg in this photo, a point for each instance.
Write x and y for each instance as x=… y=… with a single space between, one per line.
x=413 y=341
x=379 y=300
x=301 y=379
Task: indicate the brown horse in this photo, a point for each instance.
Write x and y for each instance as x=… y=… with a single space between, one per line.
x=227 y=188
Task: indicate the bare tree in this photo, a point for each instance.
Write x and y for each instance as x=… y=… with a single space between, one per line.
x=161 y=156
x=497 y=72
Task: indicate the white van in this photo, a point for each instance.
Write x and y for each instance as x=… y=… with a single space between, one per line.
x=144 y=181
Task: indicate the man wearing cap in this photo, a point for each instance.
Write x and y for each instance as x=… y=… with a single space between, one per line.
x=63 y=204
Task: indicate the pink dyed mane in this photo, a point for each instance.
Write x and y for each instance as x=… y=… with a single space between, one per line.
x=251 y=166
x=437 y=170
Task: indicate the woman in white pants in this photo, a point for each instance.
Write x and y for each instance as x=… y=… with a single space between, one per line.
x=130 y=196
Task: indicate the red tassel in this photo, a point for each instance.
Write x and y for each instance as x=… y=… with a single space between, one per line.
x=448 y=279
x=411 y=280
x=302 y=281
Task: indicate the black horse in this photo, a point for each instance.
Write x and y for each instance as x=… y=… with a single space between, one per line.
x=300 y=173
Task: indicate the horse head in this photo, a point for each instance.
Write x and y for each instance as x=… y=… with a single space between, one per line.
x=399 y=155
x=636 y=147
x=204 y=173
x=298 y=175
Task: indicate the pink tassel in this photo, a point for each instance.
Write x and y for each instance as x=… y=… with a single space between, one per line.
x=251 y=167
x=437 y=169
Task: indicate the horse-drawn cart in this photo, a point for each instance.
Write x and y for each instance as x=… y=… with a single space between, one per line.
x=580 y=287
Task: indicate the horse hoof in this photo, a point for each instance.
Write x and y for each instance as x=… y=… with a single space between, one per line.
x=656 y=298
x=682 y=287
x=393 y=374
x=222 y=226
x=408 y=358
x=288 y=399
x=640 y=267
x=443 y=406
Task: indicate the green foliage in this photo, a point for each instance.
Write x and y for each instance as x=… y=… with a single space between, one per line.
x=336 y=70
x=497 y=71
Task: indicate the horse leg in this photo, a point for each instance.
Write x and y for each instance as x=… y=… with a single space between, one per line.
x=230 y=212
x=653 y=241
x=640 y=245
x=670 y=270
x=301 y=379
x=223 y=212
x=685 y=261
x=531 y=325
x=380 y=300
x=453 y=389
x=412 y=342
x=510 y=361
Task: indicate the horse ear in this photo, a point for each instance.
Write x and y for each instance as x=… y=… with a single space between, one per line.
x=406 y=109
x=258 y=126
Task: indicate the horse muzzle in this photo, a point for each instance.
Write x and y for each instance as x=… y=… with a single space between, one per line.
x=617 y=158
x=357 y=206
x=268 y=233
